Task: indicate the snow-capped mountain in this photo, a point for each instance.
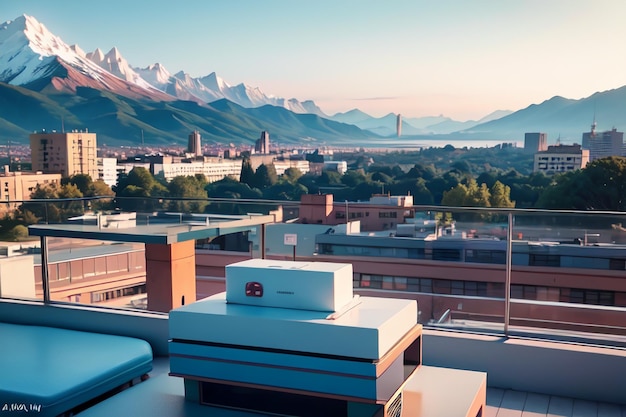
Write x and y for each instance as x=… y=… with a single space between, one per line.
x=31 y=55
x=115 y=63
x=212 y=87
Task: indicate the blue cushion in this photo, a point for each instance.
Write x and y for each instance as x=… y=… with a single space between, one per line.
x=59 y=369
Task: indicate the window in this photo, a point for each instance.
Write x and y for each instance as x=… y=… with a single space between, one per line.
x=446 y=254
x=617 y=264
x=485 y=256
x=544 y=260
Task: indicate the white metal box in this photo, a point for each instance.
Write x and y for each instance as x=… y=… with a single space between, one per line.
x=316 y=286
x=368 y=331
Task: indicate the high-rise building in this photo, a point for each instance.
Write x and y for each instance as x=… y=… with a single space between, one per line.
x=262 y=145
x=194 y=144
x=605 y=144
x=68 y=153
x=535 y=142
x=399 y=125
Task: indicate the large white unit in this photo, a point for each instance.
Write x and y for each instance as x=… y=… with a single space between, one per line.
x=314 y=286
x=367 y=331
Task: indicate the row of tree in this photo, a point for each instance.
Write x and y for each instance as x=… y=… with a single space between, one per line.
x=599 y=186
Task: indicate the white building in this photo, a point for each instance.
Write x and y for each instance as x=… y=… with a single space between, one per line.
x=561 y=158
x=214 y=169
x=108 y=170
x=282 y=165
x=339 y=166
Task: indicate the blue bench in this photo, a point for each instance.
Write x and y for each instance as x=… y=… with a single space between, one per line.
x=51 y=371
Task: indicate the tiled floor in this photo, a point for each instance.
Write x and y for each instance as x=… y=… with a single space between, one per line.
x=509 y=403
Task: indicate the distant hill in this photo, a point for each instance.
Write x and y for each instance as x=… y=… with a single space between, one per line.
x=120 y=120
x=558 y=117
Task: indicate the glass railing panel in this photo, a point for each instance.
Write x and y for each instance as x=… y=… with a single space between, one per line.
x=567 y=273
x=566 y=268
x=18 y=250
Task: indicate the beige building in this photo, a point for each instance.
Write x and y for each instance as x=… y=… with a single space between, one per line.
x=18 y=186
x=67 y=153
x=562 y=158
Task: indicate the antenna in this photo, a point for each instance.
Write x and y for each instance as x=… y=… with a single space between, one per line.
x=62 y=125
x=141 y=137
x=594 y=124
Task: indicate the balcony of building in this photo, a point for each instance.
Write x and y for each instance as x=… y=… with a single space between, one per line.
x=544 y=354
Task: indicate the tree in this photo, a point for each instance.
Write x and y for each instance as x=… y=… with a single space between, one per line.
x=500 y=195
x=353 y=177
x=607 y=179
x=477 y=196
x=328 y=177
x=18 y=232
x=57 y=211
x=82 y=181
x=599 y=186
x=232 y=189
x=284 y=190
x=188 y=194
x=134 y=190
x=265 y=176
x=455 y=197
x=292 y=175
x=247 y=173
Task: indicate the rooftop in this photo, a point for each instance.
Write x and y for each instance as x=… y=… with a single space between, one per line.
x=538 y=372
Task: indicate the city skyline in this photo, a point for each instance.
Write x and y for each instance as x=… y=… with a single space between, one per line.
x=459 y=59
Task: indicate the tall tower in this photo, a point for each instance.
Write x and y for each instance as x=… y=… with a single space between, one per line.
x=194 y=144
x=262 y=144
x=399 y=125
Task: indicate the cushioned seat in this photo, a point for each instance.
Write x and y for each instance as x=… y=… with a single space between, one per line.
x=52 y=370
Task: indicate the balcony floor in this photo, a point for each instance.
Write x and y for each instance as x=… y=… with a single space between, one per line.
x=162 y=395
x=509 y=403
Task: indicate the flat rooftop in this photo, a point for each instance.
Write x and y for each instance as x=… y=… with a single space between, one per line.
x=160 y=233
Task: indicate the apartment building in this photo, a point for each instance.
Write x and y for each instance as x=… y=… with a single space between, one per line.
x=561 y=158
x=67 y=153
x=18 y=186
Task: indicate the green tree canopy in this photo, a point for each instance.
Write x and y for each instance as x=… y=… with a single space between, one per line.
x=134 y=190
x=58 y=211
x=500 y=195
x=601 y=185
x=247 y=173
x=265 y=176
x=187 y=194
x=292 y=175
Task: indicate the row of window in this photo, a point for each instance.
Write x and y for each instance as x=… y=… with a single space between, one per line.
x=97 y=297
x=101 y=265
x=485 y=289
x=474 y=256
x=431 y=286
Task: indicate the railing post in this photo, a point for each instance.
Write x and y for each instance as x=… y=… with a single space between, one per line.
x=262 y=242
x=45 y=283
x=507 y=281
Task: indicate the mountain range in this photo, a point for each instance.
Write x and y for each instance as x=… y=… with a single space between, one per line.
x=47 y=84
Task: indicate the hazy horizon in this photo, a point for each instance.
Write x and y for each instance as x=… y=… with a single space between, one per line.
x=459 y=59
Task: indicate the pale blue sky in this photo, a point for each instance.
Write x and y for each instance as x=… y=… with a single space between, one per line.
x=463 y=59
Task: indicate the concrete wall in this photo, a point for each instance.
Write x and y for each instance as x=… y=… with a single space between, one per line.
x=17 y=277
x=561 y=369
